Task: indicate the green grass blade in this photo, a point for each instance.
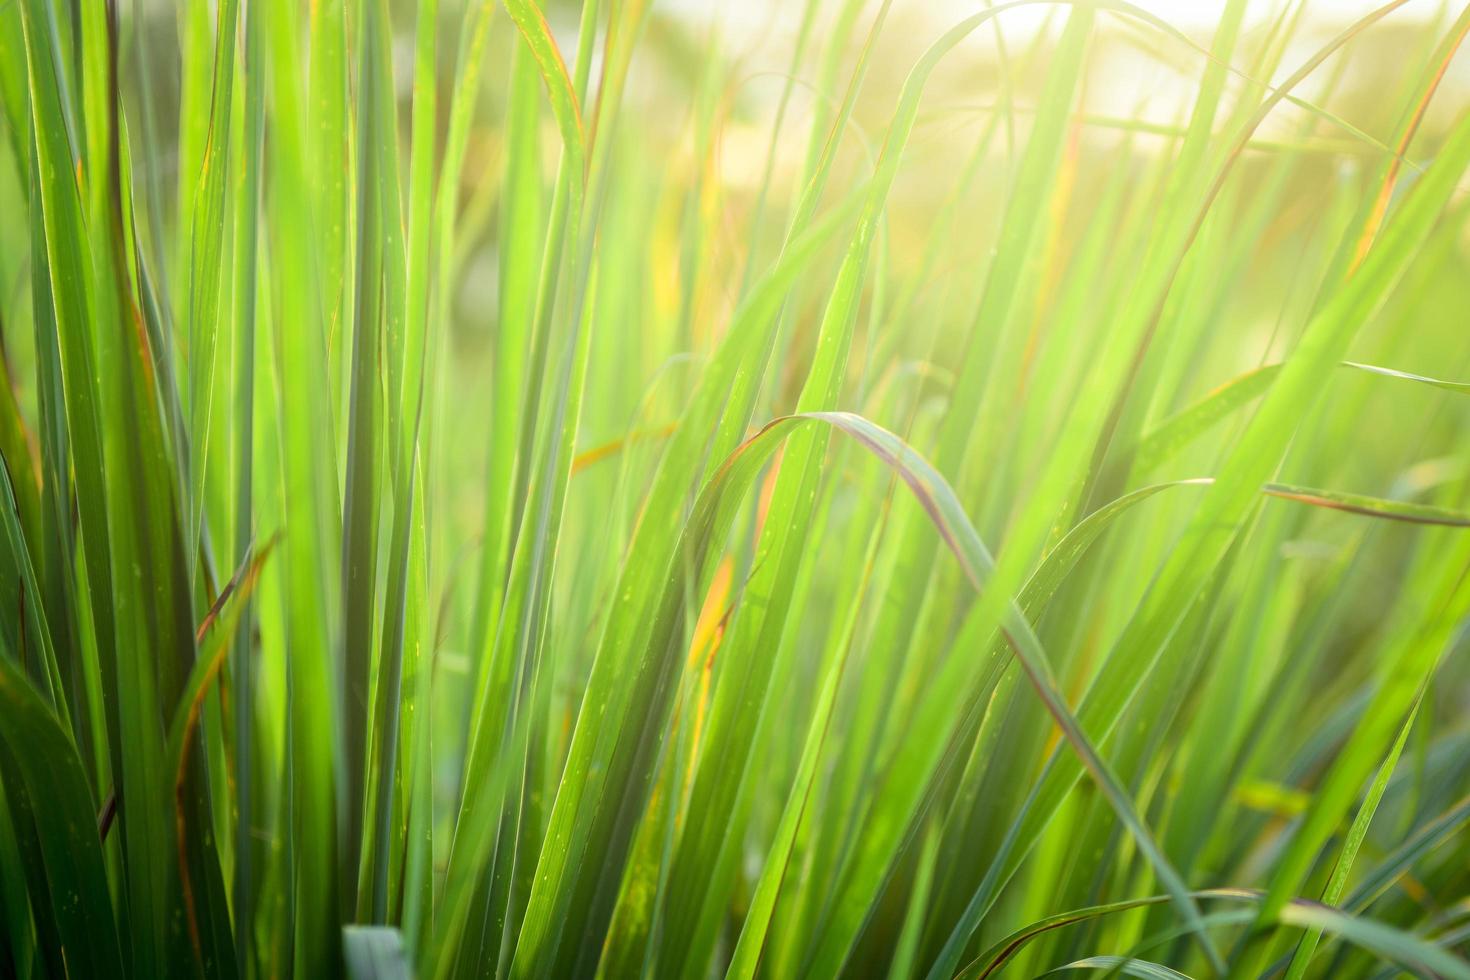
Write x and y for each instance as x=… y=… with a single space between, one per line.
x=1354 y=840
x=46 y=784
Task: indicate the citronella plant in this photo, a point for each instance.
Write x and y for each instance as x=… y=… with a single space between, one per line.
x=643 y=489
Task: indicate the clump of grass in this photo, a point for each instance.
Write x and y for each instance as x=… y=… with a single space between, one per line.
x=461 y=517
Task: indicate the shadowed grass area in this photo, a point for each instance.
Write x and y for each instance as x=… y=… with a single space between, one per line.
x=636 y=489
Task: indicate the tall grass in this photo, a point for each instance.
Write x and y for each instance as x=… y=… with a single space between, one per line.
x=486 y=499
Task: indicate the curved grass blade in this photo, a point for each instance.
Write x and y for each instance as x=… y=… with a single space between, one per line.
x=1459 y=387
x=1033 y=598
x=1354 y=840
x=1386 y=941
x=532 y=24
x=46 y=787
x=989 y=963
x=1120 y=966
x=948 y=517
